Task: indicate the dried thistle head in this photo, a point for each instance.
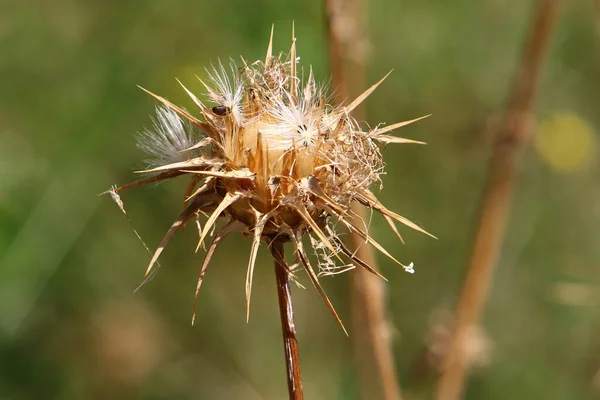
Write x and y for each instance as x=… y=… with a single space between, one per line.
x=275 y=160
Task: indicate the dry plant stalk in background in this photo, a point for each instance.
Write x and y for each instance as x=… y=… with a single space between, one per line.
x=510 y=138
x=277 y=163
x=374 y=357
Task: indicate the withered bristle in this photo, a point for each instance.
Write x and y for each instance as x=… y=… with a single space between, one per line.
x=274 y=161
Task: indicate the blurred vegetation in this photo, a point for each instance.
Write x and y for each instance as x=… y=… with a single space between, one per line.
x=71 y=326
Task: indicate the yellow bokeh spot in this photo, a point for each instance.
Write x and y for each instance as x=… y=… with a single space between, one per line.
x=565 y=141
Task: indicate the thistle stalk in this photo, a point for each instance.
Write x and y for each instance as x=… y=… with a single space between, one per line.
x=510 y=139
x=288 y=326
x=372 y=343
x=271 y=159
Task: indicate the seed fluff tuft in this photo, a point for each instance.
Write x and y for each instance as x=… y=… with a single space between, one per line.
x=169 y=139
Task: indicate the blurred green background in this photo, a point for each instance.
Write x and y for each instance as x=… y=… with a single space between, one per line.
x=71 y=326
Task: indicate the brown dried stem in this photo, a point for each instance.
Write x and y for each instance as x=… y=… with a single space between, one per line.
x=288 y=327
x=372 y=345
x=510 y=139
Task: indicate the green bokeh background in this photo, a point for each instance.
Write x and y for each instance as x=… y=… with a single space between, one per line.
x=71 y=326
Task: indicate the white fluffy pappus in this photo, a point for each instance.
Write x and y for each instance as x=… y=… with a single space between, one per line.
x=168 y=139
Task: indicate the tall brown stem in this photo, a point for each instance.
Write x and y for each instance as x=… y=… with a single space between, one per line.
x=372 y=342
x=510 y=139
x=288 y=327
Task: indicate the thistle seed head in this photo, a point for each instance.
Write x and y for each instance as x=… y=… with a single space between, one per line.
x=274 y=160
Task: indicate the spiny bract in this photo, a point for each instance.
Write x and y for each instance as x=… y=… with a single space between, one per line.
x=275 y=160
